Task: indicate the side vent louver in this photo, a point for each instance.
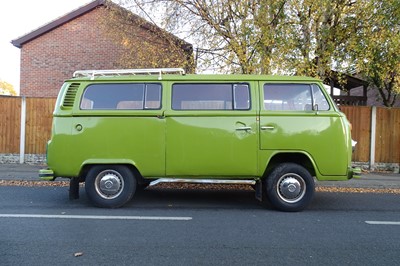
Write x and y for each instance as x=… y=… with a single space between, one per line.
x=69 y=98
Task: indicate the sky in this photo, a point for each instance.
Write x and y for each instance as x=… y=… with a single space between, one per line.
x=19 y=17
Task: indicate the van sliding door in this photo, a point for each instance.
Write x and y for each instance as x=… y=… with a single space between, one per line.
x=211 y=130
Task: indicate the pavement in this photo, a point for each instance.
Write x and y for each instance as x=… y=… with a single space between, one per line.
x=374 y=180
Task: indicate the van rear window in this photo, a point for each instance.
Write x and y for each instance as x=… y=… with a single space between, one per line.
x=210 y=96
x=123 y=96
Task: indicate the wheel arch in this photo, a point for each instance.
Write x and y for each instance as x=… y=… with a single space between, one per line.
x=299 y=158
x=131 y=166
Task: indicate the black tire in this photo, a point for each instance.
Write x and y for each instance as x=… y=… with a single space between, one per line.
x=289 y=187
x=110 y=186
x=143 y=185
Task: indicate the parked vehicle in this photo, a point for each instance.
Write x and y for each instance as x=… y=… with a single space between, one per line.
x=117 y=130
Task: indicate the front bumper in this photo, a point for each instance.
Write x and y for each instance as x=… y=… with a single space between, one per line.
x=353 y=145
x=354 y=172
x=46 y=174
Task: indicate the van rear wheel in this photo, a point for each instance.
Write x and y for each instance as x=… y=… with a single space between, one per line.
x=110 y=186
x=289 y=187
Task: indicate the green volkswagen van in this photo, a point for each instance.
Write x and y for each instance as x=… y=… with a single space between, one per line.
x=118 y=130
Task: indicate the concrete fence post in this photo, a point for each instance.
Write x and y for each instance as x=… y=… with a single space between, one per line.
x=373 y=139
x=22 y=131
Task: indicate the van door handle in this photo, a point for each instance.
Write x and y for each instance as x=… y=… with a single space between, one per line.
x=243 y=128
x=267 y=128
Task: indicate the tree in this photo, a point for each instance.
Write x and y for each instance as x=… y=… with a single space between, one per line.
x=231 y=36
x=145 y=44
x=302 y=37
x=376 y=50
x=261 y=36
x=317 y=30
x=6 y=88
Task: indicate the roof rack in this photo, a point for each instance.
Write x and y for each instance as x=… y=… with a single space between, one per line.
x=120 y=72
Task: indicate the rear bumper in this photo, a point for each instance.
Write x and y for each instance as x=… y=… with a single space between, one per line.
x=46 y=174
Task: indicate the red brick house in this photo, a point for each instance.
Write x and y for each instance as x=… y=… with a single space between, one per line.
x=75 y=41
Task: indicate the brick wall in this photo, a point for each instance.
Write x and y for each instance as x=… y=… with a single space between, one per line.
x=49 y=59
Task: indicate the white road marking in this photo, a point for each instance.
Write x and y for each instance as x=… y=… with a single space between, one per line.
x=96 y=217
x=383 y=222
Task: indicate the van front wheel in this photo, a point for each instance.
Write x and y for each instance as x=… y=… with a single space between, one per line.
x=289 y=187
x=110 y=186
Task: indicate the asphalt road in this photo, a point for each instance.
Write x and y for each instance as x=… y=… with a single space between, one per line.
x=40 y=226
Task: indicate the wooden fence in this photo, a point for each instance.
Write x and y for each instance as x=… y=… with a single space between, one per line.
x=376 y=129
x=37 y=126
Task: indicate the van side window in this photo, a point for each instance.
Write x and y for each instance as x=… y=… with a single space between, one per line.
x=210 y=96
x=287 y=97
x=319 y=98
x=122 y=96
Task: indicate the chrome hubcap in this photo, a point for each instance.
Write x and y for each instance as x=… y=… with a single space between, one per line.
x=109 y=184
x=291 y=188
